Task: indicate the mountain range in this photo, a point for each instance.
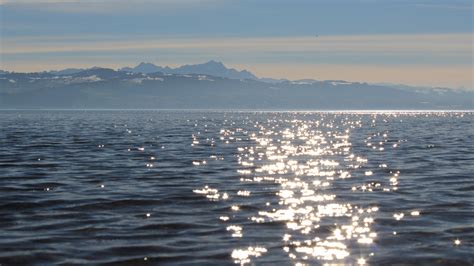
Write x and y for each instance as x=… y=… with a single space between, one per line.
x=212 y=67
x=209 y=86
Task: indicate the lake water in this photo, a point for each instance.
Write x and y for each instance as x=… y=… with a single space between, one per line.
x=210 y=187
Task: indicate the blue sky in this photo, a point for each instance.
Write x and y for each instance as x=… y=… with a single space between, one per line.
x=412 y=42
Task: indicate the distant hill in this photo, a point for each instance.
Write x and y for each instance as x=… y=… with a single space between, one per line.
x=212 y=68
x=108 y=88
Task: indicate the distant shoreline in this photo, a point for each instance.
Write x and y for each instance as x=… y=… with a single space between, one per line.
x=262 y=110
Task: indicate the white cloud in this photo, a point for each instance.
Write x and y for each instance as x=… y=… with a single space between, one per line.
x=437 y=44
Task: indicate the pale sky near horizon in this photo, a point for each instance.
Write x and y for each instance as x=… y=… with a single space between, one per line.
x=425 y=43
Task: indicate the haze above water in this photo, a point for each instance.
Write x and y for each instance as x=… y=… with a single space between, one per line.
x=182 y=187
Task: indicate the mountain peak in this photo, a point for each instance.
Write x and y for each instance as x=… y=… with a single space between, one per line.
x=143 y=67
x=214 y=63
x=143 y=64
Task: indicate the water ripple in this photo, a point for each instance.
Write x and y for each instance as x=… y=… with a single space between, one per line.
x=181 y=187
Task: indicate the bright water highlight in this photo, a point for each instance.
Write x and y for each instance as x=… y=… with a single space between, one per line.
x=202 y=187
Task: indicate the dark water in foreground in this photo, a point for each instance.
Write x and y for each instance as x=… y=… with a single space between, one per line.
x=164 y=187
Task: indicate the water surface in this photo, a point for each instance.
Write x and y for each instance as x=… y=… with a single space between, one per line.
x=203 y=187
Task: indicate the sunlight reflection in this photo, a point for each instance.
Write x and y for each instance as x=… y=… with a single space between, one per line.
x=316 y=177
x=306 y=164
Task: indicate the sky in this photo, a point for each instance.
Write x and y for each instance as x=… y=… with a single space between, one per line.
x=422 y=43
